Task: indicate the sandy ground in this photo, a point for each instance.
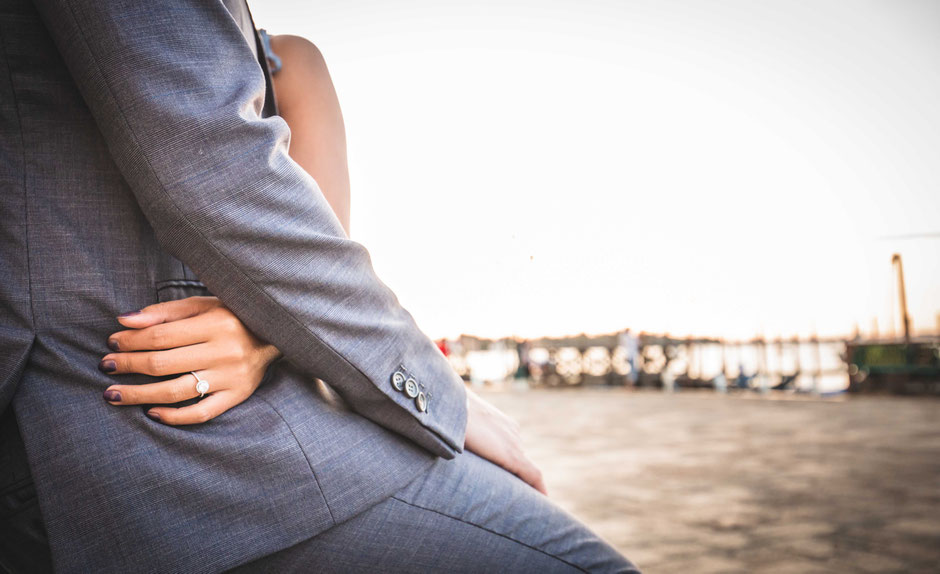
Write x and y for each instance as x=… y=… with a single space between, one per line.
x=696 y=482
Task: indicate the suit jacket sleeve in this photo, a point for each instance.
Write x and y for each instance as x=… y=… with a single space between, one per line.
x=177 y=94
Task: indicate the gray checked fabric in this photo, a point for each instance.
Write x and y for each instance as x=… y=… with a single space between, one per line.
x=140 y=162
x=463 y=515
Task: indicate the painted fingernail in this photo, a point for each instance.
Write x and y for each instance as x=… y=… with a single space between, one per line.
x=107 y=366
x=113 y=396
x=155 y=416
x=129 y=314
x=113 y=345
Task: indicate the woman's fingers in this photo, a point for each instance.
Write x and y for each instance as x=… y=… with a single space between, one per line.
x=189 y=331
x=158 y=363
x=530 y=473
x=194 y=334
x=494 y=436
x=165 y=392
x=206 y=409
x=168 y=311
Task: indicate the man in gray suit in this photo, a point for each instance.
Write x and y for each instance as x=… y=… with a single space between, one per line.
x=137 y=165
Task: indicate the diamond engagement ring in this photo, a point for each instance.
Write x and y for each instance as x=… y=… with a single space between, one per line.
x=202 y=385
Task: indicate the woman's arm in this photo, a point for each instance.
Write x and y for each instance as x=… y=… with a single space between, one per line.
x=308 y=103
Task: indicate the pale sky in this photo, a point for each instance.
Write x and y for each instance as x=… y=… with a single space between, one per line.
x=721 y=168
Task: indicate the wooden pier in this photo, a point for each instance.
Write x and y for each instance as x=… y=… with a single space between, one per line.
x=653 y=360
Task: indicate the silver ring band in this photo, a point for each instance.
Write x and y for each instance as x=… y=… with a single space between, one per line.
x=202 y=385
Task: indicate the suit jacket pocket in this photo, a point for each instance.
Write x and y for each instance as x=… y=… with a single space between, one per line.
x=173 y=289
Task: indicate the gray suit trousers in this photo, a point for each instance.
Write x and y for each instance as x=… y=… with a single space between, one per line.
x=463 y=515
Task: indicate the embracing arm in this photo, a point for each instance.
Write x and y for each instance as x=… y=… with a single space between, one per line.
x=177 y=94
x=200 y=334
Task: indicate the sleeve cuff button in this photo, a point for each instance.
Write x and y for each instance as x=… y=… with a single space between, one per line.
x=398 y=380
x=411 y=388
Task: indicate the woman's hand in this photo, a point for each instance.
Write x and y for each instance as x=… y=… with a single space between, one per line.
x=495 y=437
x=195 y=334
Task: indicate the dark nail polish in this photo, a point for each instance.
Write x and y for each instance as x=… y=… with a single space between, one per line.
x=130 y=314
x=107 y=366
x=113 y=345
x=113 y=396
x=154 y=416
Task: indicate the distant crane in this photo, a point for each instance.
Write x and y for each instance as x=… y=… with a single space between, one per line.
x=902 y=296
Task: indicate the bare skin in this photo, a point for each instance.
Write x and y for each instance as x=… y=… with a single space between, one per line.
x=200 y=334
x=307 y=101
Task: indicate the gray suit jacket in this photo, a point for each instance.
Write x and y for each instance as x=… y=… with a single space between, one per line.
x=136 y=166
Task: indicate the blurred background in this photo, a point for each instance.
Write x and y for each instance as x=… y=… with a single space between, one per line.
x=694 y=247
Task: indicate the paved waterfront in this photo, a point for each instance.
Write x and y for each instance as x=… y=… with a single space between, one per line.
x=702 y=483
